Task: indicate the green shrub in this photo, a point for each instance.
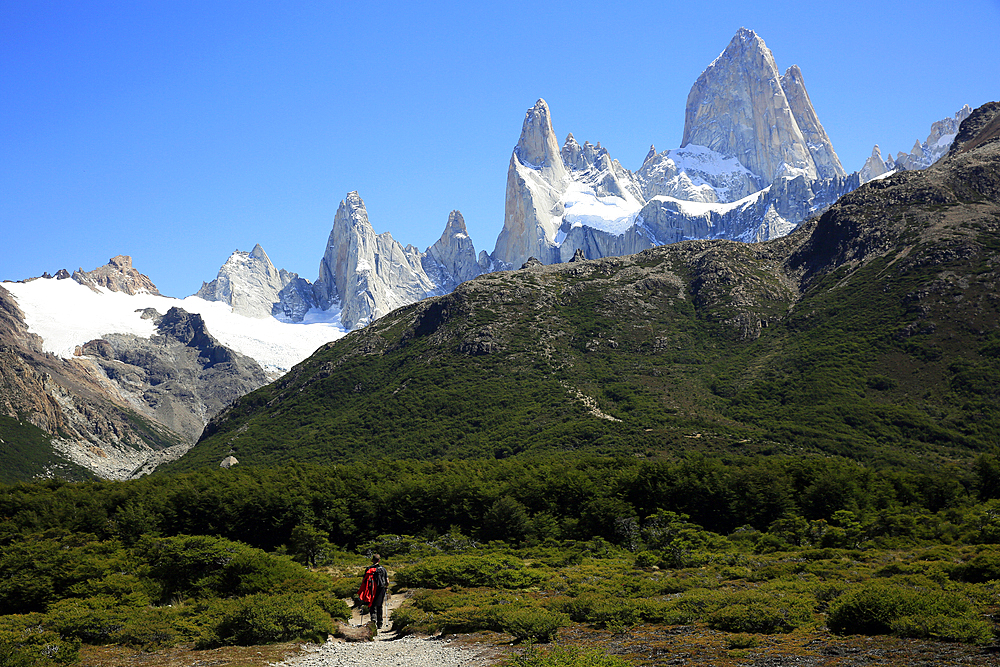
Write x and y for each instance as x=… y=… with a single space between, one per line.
x=558 y=656
x=200 y=566
x=945 y=628
x=603 y=611
x=493 y=570
x=891 y=608
x=761 y=612
x=409 y=620
x=984 y=567
x=534 y=624
x=26 y=642
x=268 y=619
x=742 y=641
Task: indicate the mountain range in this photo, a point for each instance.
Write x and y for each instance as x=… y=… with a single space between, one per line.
x=870 y=332
x=124 y=378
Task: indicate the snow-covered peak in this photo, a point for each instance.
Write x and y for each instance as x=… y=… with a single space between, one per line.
x=66 y=315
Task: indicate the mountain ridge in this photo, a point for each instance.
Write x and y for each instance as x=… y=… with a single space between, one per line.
x=869 y=332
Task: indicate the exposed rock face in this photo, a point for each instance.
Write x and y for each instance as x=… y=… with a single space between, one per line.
x=117 y=275
x=452 y=258
x=90 y=422
x=182 y=376
x=739 y=108
x=365 y=275
x=819 y=144
x=874 y=166
x=250 y=283
x=536 y=181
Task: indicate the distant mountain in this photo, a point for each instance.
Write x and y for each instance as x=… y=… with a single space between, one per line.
x=754 y=163
x=250 y=284
x=101 y=375
x=872 y=331
x=922 y=155
x=365 y=275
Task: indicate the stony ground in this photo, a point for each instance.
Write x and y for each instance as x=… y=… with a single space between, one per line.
x=646 y=646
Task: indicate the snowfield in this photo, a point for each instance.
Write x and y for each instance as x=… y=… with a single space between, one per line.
x=67 y=314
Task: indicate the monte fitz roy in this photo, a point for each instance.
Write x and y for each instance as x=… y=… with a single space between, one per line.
x=102 y=375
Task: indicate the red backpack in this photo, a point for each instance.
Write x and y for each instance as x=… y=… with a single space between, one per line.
x=367 y=591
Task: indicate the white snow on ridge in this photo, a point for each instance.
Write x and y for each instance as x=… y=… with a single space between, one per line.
x=67 y=314
x=701 y=208
x=607 y=214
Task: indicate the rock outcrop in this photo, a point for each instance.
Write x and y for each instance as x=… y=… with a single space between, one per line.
x=739 y=107
x=117 y=275
x=181 y=376
x=365 y=275
x=253 y=287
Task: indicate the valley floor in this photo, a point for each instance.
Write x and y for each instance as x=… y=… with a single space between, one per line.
x=647 y=646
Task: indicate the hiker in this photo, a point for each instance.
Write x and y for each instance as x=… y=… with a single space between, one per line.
x=373 y=587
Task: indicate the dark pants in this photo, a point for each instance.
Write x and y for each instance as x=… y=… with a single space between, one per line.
x=378 y=605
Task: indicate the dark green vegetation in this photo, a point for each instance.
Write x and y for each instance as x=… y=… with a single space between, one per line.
x=27 y=449
x=526 y=546
x=871 y=333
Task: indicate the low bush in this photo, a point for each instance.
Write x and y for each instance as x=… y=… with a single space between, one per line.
x=268 y=619
x=984 y=567
x=945 y=628
x=564 y=657
x=409 y=620
x=493 y=570
x=26 y=642
x=534 y=624
x=602 y=611
x=761 y=612
x=887 y=607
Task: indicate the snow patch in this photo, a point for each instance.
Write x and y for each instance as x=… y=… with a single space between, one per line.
x=67 y=314
x=584 y=208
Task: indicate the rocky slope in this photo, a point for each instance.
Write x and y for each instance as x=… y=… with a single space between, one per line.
x=85 y=422
x=871 y=331
x=124 y=403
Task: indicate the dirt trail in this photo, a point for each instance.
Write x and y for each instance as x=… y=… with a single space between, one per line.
x=390 y=650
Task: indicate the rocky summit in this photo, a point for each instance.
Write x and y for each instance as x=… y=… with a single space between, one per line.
x=118 y=275
x=742 y=107
x=365 y=275
x=250 y=283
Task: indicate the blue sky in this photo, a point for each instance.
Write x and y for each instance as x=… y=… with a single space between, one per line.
x=177 y=132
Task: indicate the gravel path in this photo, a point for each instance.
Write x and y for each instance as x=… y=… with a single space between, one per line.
x=408 y=651
x=390 y=650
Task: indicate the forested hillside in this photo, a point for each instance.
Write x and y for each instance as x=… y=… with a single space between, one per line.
x=871 y=332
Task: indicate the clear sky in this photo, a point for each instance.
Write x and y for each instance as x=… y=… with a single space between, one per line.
x=177 y=132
